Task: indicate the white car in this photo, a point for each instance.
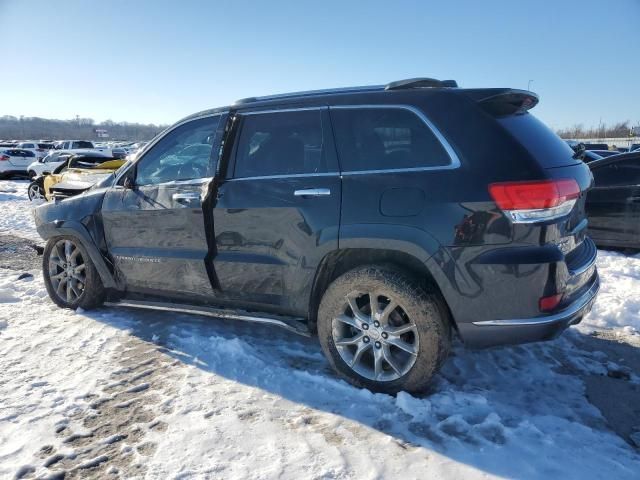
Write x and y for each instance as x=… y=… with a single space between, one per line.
x=80 y=146
x=14 y=161
x=39 y=149
x=48 y=164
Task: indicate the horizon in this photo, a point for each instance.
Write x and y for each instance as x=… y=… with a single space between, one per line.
x=213 y=54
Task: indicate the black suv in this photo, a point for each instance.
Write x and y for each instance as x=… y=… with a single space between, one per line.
x=382 y=218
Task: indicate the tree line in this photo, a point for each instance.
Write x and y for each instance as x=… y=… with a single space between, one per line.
x=617 y=130
x=36 y=128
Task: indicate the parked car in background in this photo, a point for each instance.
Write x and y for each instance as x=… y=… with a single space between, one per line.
x=8 y=145
x=596 y=146
x=80 y=146
x=371 y=215
x=605 y=153
x=39 y=149
x=79 y=173
x=613 y=205
x=47 y=164
x=590 y=156
x=15 y=161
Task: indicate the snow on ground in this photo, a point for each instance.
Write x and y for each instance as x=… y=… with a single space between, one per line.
x=116 y=393
x=16 y=217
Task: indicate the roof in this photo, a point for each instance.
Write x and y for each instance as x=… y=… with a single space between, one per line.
x=396 y=88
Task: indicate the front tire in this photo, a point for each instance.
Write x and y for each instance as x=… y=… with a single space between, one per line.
x=381 y=330
x=71 y=279
x=35 y=192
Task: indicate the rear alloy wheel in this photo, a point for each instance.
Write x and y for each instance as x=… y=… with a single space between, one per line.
x=70 y=277
x=382 y=331
x=35 y=192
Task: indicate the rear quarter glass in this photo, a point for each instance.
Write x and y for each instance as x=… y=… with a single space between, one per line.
x=544 y=145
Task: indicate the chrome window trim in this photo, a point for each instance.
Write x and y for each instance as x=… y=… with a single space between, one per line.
x=285 y=175
x=159 y=137
x=282 y=110
x=453 y=156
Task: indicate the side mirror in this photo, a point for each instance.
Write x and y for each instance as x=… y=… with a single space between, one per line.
x=128 y=183
x=41 y=160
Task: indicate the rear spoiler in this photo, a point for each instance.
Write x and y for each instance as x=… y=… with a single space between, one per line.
x=504 y=101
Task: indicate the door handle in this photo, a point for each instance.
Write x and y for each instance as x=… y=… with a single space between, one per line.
x=185 y=197
x=312 y=192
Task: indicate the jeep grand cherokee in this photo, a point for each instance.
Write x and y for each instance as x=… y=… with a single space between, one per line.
x=383 y=218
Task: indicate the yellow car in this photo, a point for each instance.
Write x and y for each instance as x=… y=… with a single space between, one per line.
x=79 y=173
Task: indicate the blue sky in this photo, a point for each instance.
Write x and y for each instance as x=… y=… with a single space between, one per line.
x=157 y=61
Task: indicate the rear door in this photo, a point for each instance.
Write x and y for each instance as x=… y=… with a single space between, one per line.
x=613 y=206
x=278 y=210
x=155 y=229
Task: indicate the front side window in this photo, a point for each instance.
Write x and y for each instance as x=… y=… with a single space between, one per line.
x=182 y=154
x=385 y=138
x=281 y=143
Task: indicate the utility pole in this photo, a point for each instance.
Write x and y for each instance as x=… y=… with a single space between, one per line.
x=529 y=85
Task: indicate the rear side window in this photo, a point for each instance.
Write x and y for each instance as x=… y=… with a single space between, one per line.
x=547 y=148
x=618 y=174
x=385 y=138
x=281 y=143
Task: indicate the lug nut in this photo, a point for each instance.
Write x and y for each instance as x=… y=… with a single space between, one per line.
x=385 y=335
x=378 y=344
x=365 y=339
x=365 y=326
x=376 y=324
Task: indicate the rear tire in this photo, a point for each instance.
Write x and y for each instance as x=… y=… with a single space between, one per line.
x=400 y=346
x=71 y=279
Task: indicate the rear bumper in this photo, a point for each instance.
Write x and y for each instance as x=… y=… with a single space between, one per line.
x=490 y=333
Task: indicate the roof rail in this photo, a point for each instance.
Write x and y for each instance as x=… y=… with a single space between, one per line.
x=421 y=83
x=309 y=93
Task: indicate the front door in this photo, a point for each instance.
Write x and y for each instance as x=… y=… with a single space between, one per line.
x=278 y=211
x=153 y=219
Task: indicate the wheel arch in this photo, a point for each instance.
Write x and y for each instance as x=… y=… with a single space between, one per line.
x=338 y=262
x=77 y=230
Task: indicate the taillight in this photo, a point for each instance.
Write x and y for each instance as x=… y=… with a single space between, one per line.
x=535 y=201
x=4 y=158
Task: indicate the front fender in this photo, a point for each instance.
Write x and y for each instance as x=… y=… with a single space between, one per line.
x=76 y=217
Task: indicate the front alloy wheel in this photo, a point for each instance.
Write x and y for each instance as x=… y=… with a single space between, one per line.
x=67 y=271
x=35 y=192
x=70 y=277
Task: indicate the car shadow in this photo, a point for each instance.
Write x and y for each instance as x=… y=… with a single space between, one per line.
x=517 y=412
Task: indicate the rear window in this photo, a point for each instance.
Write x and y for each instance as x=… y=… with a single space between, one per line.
x=547 y=148
x=385 y=138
